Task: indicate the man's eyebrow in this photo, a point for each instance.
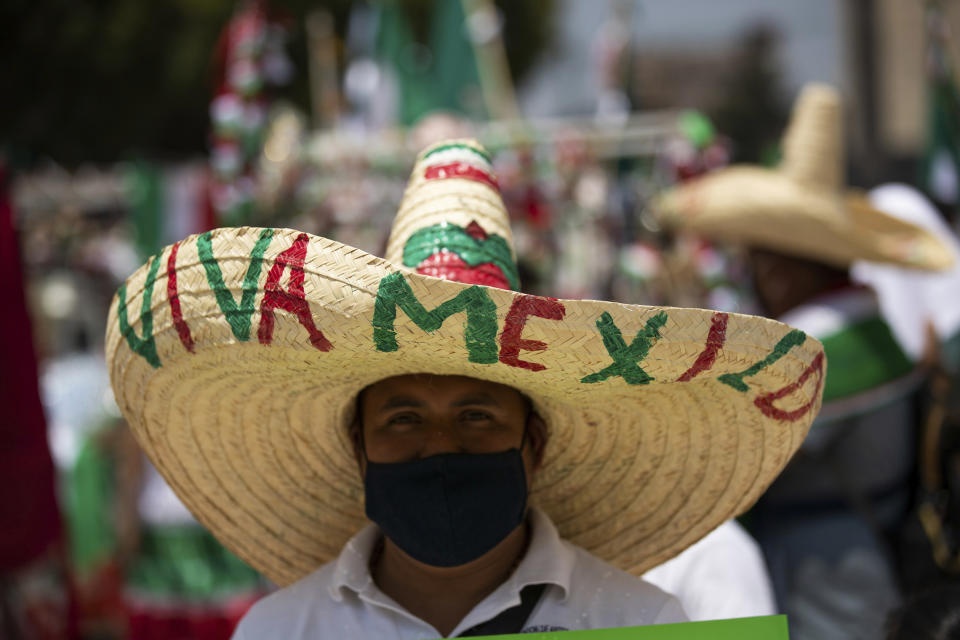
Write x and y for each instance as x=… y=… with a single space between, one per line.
x=399 y=402
x=480 y=398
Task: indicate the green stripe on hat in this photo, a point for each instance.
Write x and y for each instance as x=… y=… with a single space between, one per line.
x=454 y=238
x=447 y=147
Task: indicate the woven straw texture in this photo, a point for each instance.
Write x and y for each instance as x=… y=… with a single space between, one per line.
x=236 y=357
x=801 y=208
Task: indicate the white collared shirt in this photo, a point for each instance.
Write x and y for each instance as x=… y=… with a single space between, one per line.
x=340 y=600
x=724 y=575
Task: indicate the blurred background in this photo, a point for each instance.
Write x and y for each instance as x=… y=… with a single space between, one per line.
x=127 y=125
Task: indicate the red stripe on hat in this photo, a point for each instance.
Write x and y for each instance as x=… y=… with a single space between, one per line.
x=765 y=401
x=460 y=170
x=173 y=295
x=450 y=266
x=715 y=340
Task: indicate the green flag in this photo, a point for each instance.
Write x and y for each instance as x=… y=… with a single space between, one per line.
x=454 y=62
x=145 y=190
x=441 y=76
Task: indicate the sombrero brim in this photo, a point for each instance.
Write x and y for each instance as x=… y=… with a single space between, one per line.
x=236 y=357
x=767 y=208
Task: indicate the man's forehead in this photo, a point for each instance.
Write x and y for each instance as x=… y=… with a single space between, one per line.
x=428 y=382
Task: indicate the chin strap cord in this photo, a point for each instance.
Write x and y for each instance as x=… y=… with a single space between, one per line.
x=513 y=619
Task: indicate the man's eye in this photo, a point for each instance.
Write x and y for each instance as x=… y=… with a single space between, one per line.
x=403 y=419
x=475 y=416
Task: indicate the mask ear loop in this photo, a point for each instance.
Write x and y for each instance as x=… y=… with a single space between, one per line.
x=526 y=422
x=361 y=442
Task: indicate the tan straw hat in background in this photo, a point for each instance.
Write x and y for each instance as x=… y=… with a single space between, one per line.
x=802 y=207
x=236 y=357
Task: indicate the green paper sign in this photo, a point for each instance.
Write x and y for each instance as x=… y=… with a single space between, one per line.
x=762 y=628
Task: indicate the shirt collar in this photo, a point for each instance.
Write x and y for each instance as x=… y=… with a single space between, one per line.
x=352 y=569
x=547 y=561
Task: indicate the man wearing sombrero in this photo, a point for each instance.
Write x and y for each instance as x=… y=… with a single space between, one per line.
x=823 y=523
x=291 y=389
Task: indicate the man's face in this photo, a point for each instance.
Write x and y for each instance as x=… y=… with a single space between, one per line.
x=417 y=416
x=783 y=282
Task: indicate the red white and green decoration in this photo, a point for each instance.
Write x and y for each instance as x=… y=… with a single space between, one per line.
x=453 y=252
x=250 y=59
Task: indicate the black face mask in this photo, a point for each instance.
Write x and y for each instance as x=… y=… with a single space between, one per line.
x=450 y=508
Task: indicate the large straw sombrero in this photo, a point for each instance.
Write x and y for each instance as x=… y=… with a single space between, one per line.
x=801 y=208
x=236 y=356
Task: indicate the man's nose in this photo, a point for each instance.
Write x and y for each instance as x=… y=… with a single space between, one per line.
x=440 y=438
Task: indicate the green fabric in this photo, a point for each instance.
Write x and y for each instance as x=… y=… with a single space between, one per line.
x=171 y=561
x=186 y=561
x=89 y=508
x=697 y=128
x=861 y=357
x=145 y=189
x=454 y=64
x=441 y=80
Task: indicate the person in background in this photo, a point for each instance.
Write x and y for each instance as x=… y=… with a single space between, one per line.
x=724 y=575
x=923 y=311
x=922 y=308
x=932 y=615
x=824 y=525
x=144 y=567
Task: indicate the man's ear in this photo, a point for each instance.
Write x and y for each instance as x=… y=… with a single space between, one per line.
x=537 y=435
x=355 y=431
x=356 y=434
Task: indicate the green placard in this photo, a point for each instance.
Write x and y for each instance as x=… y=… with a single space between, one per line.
x=761 y=628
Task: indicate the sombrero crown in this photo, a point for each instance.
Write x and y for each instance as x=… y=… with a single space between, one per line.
x=236 y=356
x=801 y=208
x=452 y=223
